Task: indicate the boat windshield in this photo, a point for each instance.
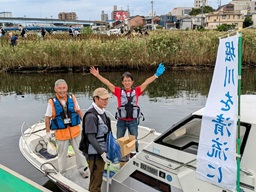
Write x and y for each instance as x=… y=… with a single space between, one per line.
x=185 y=135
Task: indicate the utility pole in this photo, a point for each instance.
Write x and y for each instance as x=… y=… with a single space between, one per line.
x=219 y=3
x=152 y=22
x=219 y=11
x=202 y=18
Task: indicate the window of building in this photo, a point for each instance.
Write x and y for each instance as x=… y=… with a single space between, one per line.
x=223 y=16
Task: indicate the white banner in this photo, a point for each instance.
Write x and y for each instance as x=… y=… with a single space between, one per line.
x=216 y=157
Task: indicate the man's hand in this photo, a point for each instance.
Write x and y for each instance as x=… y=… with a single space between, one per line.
x=94 y=71
x=160 y=70
x=105 y=159
x=48 y=136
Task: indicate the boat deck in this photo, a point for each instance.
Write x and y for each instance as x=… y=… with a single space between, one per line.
x=13 y=182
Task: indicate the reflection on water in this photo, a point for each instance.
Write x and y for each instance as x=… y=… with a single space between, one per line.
x=23 y=97
x=172 y=84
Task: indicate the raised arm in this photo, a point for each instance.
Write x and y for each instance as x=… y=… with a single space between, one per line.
x=96 y=73
x=160 y=70
x=149 y=80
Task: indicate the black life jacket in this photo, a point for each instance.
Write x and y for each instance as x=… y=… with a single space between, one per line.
x=84 y=143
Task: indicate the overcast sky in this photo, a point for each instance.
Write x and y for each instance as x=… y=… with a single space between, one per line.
x=91 y=9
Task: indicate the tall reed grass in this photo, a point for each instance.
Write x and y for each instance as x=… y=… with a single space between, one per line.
x=173 y=48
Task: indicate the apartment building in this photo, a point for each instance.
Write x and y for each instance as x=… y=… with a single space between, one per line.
x=5 y=14
x=241 y=4
x=67 y=16
x=181 y=11
x=104 y=17
x=200 y=3
x=226 y=14
x=253 y=6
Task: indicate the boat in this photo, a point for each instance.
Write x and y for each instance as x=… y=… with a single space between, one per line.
x=165 y=162
x=169 y=162
x=33 y=139
x=12 y=181
x=172 y=161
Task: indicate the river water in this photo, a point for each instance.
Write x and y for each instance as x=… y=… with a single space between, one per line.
x=23 y=97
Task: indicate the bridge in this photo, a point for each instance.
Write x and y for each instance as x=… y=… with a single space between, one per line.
x=32 y=21
x=50 y=24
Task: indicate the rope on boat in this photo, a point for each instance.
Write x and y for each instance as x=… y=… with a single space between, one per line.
x=47 y=171
x=150 y=132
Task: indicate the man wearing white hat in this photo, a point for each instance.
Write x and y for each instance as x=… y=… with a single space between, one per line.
x=96 y=126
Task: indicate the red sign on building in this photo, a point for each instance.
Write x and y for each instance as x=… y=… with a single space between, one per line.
x=121 y=15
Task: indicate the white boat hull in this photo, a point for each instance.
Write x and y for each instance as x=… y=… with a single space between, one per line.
x=166 y=162
x=71 y=181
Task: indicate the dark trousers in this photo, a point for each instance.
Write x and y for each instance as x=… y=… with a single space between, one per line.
x=96 y=174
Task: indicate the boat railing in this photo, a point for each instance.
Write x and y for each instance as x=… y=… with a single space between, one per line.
x=48 y=170
x=26 y=135
x=167 y=162
x=247 y=172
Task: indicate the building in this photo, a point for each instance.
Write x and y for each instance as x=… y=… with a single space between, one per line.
x=67 y=16
x=136 y=21
x=253 y=6
x=119 y=15
x=224 y=15
x=5 y=14
x=200 y=3
x=168 y=21
x=191 y=22
x=181 y=11
x=185 y=23
x=148 y=22
x=241 y=4
x=104 y=17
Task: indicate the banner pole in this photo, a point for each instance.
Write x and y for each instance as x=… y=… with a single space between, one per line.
x=239 y=99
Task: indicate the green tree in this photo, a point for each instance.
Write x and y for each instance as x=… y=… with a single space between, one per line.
x=86 y=30
x=225 y=27
x=247 y=22
x=205 y=9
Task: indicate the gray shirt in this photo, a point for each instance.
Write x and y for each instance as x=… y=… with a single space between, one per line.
x=91 y=129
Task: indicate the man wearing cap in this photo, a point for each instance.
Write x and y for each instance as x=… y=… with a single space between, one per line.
x=63 y=115
x=96 y=126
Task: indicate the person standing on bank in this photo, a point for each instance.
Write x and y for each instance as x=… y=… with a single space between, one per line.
x=22 y=30
x=127 y=100
x=43 y=31
x=63 y=115
x=96 y=126
x=71 y=31
x=2 y=32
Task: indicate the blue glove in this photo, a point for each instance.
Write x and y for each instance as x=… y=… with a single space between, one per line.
x=160 y=70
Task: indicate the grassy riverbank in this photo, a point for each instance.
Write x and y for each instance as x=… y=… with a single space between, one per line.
x=173 y=48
